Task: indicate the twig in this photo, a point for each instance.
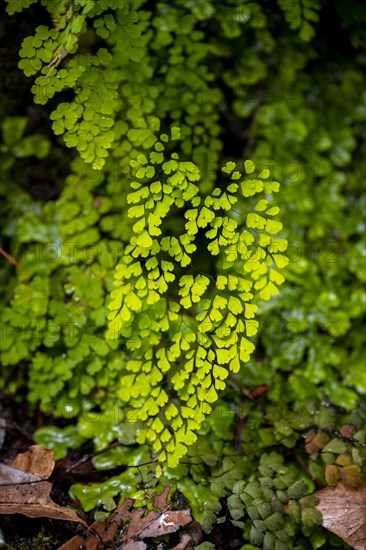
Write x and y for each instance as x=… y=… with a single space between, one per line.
x=16 y=264
x=97 y=453
x=299 y=459
x=343 y=437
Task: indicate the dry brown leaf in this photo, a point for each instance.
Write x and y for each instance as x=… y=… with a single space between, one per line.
x=36 y=460
x=160 y=501
x=106 y=530
x=344 y=513
x=165 y=523
x=152 y=524
x=134 y=546
x=28 y=494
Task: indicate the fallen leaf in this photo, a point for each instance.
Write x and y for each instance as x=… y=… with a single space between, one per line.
x=24 y=489
x=141 y=525
x=154 y=524
x=160 y=501
x=344 y=513
x=165 y=523
x=106 y=530
x=36 y=460
x=134 y=546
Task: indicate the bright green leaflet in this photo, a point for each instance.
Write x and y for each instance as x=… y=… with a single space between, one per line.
x=184 y=344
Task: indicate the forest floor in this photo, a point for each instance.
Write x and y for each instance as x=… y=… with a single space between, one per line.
x=20 y=532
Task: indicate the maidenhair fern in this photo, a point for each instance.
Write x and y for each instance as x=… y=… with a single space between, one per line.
x=301 y=14
x=177 y=329
x=113 y=88
x=186 y=330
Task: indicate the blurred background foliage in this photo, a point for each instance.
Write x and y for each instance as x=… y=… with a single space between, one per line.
x=282 y=83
